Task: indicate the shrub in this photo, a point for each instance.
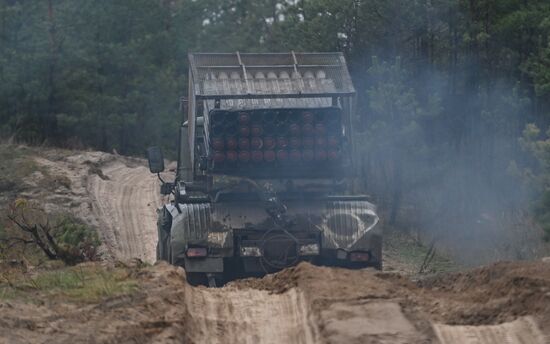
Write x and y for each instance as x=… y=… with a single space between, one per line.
x=58 y=236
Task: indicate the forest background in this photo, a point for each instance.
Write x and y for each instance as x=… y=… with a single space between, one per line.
x=453 y=95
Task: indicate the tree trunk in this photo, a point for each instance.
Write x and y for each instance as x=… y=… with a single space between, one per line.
x=50 y=122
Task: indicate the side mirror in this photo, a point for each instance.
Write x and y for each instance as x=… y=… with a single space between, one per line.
x=156 y=159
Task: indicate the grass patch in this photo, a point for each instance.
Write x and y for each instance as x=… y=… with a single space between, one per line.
x=410 y=254
x=88 y=283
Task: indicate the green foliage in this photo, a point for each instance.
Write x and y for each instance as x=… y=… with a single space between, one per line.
x=58 y=237
x=536 y=173
x=76 y=239
x=83 y=283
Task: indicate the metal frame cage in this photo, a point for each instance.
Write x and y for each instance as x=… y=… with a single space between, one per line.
x=232 y=82
x=277 y=75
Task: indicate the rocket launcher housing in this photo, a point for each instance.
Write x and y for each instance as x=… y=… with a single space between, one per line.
x=276 y=115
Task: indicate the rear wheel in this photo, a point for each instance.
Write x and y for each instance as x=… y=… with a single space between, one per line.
x=376 y=252
x=163 y=247
x=205 y=279
x=164 y=226
x=196 y=278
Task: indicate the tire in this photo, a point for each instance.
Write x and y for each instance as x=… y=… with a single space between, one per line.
x=164 y=225
x=196 y=278
x=377 y=253
x=378 y=265
x=158 y=252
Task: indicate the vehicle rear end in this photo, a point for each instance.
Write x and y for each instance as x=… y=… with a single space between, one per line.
x=265 y=166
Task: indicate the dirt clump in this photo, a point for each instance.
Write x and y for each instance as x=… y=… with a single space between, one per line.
x=493 y=294
x=304 y=304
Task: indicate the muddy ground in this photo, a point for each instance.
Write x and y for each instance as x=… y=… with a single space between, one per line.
x=500 y=303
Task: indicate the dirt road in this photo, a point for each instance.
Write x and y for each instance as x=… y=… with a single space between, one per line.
x=125 y=202
x=502 y=303
x=304 y=304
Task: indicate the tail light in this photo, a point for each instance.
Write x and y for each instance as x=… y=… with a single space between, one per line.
x=307 y=155
x=244 y=130
x=269 y=156
x=256 y=130
x=269 y=142
x=282 y=155
x=231 y=143
x=295 y=142
x=244 y=143
x=256 y=143
x=244 y=156
x=196 y=252
x=295 y=155
x=359 y=256
x=308 y=142
x=218 y=143
x=231 y=156
x=257 y=156
x=219 y=157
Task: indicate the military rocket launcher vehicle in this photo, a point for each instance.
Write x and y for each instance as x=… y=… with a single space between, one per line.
x=264 y=169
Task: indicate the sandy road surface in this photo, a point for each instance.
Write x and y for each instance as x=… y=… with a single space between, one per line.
x=522 y=330
x=126 y=204
x=251 y=316
x=305 y=304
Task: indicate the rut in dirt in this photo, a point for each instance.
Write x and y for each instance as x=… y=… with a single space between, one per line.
x=125 y=204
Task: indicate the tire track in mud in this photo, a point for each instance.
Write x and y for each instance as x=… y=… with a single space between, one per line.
x=250 y=316
x=125 y=204
x=521 y=331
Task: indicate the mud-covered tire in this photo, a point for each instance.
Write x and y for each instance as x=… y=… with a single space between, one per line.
x=164 y=224
x=196 y=278
x=158 y=252
x=163 y=247
x=376 y=252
